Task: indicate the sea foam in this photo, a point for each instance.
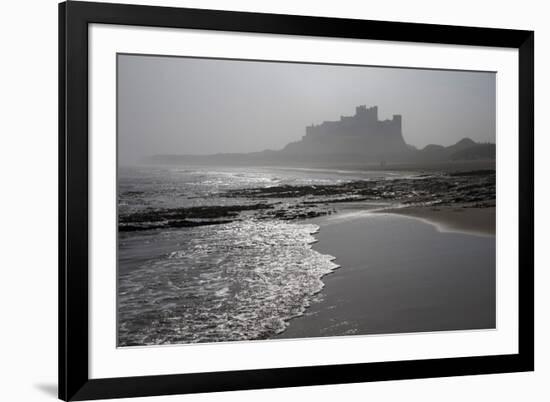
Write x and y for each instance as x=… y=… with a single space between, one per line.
x=238 y=281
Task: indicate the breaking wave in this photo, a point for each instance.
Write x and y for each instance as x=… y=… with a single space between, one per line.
x=237 y=281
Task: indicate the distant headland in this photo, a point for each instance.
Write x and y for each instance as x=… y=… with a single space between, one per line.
x=361 y=139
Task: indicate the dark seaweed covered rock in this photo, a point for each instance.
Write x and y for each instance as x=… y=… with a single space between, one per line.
x=184 y=217
x=444 y=189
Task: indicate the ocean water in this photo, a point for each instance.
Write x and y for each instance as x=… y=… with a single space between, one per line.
x=241 y=280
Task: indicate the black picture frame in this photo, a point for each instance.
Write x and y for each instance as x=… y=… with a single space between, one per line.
x=74 y=381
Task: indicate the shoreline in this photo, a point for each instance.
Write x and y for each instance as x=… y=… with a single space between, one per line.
x=465 y=219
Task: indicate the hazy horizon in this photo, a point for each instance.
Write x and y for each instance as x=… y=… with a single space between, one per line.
x=178 y=105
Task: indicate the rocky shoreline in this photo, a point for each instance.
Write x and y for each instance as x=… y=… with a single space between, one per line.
x=470 y=189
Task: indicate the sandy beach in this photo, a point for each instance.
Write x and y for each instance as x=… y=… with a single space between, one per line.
x=401 y=274
x=453 y=218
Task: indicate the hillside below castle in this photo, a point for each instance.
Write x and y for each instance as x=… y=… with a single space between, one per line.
x=361 y=139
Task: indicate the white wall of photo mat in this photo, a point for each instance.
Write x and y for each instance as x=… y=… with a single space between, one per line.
x=29 y=202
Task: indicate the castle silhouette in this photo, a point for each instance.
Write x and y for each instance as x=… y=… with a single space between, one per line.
x=362 y=133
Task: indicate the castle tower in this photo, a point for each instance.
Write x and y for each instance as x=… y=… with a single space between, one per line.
x=397 y=120
x=360 y=110
x=373 y=114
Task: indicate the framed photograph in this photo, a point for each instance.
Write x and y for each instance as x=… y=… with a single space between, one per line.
x=256 y=200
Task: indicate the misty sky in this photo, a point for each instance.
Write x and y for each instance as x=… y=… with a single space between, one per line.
x=172 y=105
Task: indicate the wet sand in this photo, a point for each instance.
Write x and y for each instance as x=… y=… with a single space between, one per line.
x=398 y=274
x=453 y=218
